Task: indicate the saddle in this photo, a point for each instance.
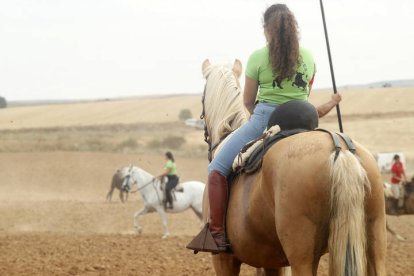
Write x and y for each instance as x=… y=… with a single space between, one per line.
x=249 y=160
x=177 y=189
x=288 y=119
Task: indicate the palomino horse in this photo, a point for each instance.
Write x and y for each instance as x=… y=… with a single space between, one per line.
x=153 y=196
x=116 y=182
x=302 y=203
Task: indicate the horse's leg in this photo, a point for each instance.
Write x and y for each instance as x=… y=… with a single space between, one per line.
x=376 y=239
x=163 y=217
x=283 y=271
x=126 y=196
x=109 y=194
x=199 y=214
x=139 y=213
x=376 y=234
x=303 y=259
x=121 y=196
x=395 y=234
x=226 y=265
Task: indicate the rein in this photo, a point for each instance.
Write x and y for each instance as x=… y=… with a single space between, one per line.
x=143 y=186
x=207 y=137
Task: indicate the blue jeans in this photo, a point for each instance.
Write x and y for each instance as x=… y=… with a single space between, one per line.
x=252 y=129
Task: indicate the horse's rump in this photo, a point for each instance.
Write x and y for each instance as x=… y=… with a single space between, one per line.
x=293 y=184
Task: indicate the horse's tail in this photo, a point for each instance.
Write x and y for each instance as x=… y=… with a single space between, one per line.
x=347 y=238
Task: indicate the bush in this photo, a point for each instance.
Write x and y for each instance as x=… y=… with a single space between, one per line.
x=170 y=142
x=185 y=114
x=173 y=142
x=127 y=144
x=3 y=102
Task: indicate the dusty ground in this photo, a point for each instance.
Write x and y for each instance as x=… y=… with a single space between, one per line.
x=55 y=221
x=56 y=163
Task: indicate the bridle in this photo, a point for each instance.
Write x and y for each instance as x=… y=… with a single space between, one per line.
x=207 y=137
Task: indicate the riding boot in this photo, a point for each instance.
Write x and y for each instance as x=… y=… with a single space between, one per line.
x=213 y=237
x=168 y=200
x=217 y=195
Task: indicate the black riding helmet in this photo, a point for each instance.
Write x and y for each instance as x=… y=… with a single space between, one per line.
x=294 y=114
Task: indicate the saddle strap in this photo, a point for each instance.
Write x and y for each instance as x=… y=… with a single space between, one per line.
x=348 y=142
x=335 y=139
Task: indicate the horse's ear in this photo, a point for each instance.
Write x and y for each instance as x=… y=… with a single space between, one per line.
x=204 y=66
x=237 y=68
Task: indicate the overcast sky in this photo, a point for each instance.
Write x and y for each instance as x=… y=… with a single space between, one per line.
x=88 y=49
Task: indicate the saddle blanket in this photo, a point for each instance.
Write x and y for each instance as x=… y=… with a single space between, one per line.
x=246 y=152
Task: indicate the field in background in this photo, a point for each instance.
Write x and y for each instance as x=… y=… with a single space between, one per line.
x=57 y=161
x=382 y=119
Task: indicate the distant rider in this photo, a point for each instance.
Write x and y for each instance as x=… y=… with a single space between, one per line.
x=171 y=173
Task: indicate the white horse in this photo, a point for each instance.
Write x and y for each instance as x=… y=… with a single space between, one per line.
x=153 y=196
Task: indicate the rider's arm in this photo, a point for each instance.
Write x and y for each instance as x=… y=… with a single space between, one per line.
x=324 y=109
x=250 y=93
x=165 y=173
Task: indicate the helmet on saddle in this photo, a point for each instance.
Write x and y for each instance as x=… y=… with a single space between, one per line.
x=294 y=114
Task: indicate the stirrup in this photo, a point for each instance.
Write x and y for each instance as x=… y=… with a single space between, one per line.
x=205 y=242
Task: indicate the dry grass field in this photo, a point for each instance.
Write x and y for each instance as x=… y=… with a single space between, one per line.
x=56 y=163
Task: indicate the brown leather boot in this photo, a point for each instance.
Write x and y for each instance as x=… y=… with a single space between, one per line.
x=213 y=237
x=217 y=197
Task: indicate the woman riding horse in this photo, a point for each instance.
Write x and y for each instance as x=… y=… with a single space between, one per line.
x=315 y=192
x=171 y=173
x=280 y=72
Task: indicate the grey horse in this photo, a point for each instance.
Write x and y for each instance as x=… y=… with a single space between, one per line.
x=117 y=180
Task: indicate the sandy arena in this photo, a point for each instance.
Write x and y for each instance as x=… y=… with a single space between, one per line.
x=55 y=221
x=57 y=161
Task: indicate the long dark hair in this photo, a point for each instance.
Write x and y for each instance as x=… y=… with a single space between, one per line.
x=281 y=25
x=170 y=156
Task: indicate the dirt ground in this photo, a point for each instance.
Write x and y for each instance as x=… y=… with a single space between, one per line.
x=55 y=221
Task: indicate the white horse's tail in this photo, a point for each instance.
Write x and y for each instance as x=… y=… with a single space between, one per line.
x=347 y=238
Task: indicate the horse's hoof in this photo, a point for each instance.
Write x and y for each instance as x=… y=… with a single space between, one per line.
x=138 y=231
x=165 y=236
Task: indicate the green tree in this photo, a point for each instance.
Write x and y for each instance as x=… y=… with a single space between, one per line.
x=3 y=102
x=185 y=114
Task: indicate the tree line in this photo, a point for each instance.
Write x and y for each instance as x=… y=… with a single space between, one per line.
x=3 y=102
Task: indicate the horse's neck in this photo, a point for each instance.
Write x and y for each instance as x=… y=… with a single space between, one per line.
x=141 y=176
x=144 y=181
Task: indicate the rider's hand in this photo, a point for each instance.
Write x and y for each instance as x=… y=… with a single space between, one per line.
x=336 y=98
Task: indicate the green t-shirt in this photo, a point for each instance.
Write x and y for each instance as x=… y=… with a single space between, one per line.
x=171 y=165
x=259 y=68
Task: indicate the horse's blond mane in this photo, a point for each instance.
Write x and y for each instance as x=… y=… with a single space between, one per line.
x=223 y=102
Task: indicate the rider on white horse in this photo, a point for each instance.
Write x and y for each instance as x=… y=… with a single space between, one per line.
x=171 y=173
